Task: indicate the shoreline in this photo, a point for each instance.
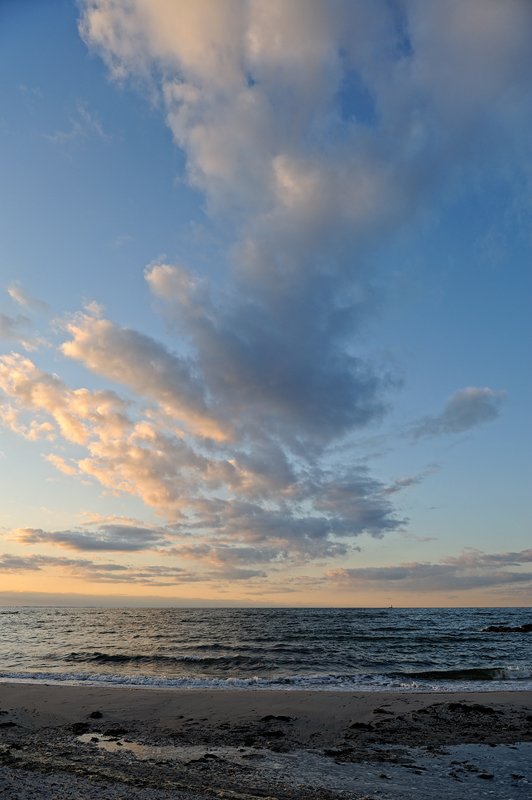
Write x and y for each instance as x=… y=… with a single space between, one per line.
x=66 y=701
x=254 y=685
x=200 y=743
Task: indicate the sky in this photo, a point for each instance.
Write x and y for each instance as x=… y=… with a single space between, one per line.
x=265 y=302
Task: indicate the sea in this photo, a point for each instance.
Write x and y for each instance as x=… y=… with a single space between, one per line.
x=358 y=649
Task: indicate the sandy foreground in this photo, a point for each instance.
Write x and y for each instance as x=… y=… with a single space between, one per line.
x=59 y=742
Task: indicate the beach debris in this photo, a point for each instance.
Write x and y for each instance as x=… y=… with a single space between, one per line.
x=79 y=728
x=362 y=726
x=96 y=715
x=114 y=731
x=276 y=718
x=471 y=708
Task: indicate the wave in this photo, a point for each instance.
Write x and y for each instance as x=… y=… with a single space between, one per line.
x=466 y=674
x=221 y=661
x=508 y=680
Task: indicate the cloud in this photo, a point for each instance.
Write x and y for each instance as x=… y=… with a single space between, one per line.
x=477 y=559
x=14 y=563
x=111 y=538
x=75 y=413
x=314 y=519
x=272 y=368
x=315 y=131
x=14 y=327
x=23 y=298
x=19 y=329
x=98 y=572
x=160 y=575
x=61 y=464
x=222 y=555
x=307 y=197
x=471 y=570
x=387 y=98
x=143 y=365
x=307 y=508
x=84 y=124
x=464 y=410
x=410 y=480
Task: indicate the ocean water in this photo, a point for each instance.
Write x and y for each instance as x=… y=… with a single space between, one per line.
x=319 y=649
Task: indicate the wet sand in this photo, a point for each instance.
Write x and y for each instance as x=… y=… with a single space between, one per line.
x=60 y=742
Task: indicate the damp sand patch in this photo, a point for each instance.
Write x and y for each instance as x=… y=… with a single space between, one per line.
x=186 y=754
x=500 y=773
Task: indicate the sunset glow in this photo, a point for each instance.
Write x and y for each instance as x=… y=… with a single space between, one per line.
x=265 y=303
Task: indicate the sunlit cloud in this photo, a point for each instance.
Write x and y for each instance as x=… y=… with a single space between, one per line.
x=156 y=575
x=24 y=298
x=310 y=147
x=143 y=365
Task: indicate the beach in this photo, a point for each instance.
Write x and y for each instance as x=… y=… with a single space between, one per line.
x=80 y=741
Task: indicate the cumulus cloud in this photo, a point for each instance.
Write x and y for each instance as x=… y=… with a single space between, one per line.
x=277 y=369
x=471 y=570
x=305 y=196
x=304 y=508
x=144 y=365
x=75 y=413
x=465 y=409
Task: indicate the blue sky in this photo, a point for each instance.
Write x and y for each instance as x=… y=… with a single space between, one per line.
x=265 y=301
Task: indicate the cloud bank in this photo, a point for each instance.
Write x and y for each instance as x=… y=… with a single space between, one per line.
x=472 y=570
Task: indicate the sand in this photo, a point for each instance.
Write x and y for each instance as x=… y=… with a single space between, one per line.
x=59 y=742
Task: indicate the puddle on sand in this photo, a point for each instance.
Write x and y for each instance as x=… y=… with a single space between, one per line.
x=185 y=753
x=452 y=773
